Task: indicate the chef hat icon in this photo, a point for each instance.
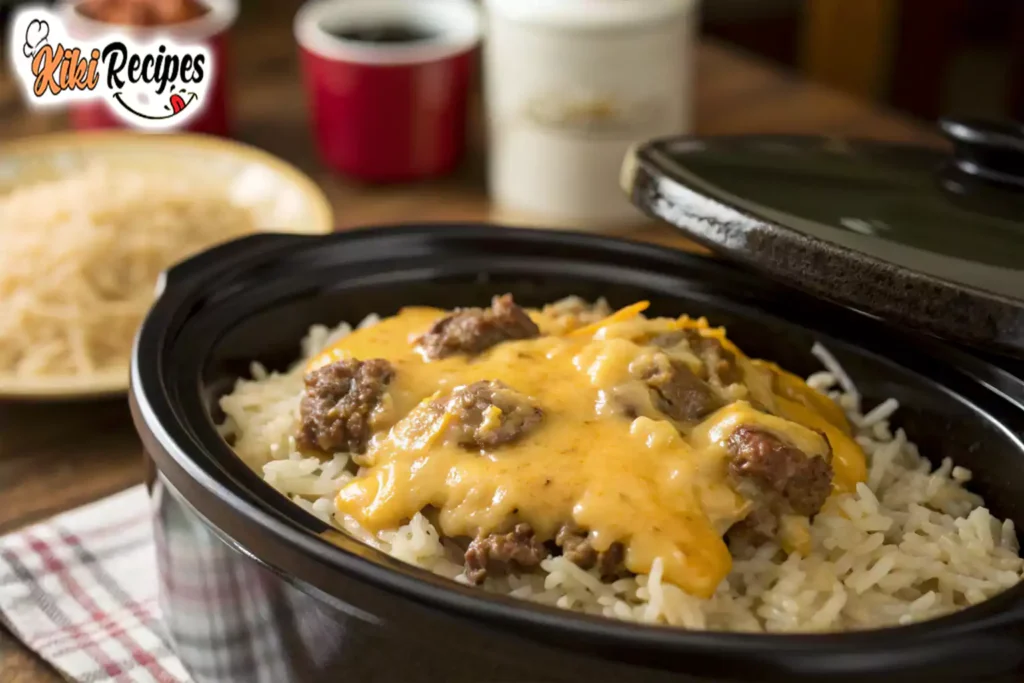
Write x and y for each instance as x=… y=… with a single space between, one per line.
x=35 y=37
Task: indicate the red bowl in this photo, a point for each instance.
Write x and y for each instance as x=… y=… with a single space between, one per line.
x=389 y=111
x=211 y=30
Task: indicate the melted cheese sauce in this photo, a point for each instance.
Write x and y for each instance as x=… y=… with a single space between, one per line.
x=641 y=482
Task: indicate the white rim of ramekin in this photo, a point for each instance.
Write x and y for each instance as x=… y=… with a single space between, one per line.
x=220 y=17
x=457 y=21
x=590 y=14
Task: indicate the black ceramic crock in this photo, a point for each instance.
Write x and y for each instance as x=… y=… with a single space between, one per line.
x=250 y=592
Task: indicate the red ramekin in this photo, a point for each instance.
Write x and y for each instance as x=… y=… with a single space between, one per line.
x=212 y=30
x=384 y=112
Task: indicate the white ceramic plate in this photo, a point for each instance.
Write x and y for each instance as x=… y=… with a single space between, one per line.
x=282 y=197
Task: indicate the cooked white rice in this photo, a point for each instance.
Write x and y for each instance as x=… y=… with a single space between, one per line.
x=911 y=544
x=80 y=256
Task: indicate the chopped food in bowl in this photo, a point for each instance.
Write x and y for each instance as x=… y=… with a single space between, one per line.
x=142 y=13
x=82 y=256
x=640 y=468
x=90 y=223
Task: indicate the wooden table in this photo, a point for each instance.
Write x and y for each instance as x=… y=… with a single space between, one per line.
x=53 y=458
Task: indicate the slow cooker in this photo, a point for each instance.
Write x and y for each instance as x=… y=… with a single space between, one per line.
x=905 y=262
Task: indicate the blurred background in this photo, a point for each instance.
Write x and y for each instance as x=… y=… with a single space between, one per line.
x=923 y=57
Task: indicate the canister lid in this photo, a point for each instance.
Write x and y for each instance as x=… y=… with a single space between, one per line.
x=600 y=15
x=931 y=239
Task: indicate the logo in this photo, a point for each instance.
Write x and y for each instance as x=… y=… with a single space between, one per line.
x=155 y=84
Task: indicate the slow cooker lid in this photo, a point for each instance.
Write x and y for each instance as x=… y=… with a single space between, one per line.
x=924 y=238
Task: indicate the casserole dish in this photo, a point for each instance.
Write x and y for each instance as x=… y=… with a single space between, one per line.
x=252 y=591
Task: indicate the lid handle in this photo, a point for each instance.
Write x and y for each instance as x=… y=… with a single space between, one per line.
x=987 y=150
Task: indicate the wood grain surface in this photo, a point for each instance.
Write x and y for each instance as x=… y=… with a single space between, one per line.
x=56 y=457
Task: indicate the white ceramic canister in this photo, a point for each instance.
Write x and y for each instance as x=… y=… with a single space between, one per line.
x=569 y=86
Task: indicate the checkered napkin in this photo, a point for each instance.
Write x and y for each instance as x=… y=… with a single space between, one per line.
x=81 y=591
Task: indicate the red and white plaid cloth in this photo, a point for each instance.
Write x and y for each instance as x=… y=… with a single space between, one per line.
x=80 y=590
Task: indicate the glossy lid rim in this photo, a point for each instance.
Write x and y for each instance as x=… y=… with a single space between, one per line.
x=864 y=282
